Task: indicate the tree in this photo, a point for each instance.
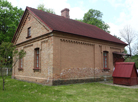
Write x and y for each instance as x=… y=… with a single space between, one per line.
x=117 y=37
x=42 y=7
x=9 y=20
x=135 y=48
x=134 y=58
x=80 y=20
x=7 y=52
x=94 y=17
x=125 y=51
x=128 y=34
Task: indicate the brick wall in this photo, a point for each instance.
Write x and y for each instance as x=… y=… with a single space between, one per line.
x=46 y=62
x=45 y=46
x=81 y=58
x=62 y=56
x=37 y=28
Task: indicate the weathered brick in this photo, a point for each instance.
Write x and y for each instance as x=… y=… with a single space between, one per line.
x=64 y=58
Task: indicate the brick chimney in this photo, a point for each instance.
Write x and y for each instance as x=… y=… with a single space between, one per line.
x=65 y=13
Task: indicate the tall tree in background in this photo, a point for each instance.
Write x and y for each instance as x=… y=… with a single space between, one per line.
x=125 y=51
x=128 y=34
x=135 y=48
x=94 y=17
x=80 y=20
x=42 y=7
x=9 y=20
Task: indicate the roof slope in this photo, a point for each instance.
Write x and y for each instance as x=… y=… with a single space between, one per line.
x=62 y=24
x=124 y=69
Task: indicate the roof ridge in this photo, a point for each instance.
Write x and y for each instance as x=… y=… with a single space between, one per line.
x=63 y=17
x=48 y=12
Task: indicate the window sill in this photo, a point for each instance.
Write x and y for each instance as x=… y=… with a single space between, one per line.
x=28 y=37
x=36 y=69
x=106 y=69
x=20 y=69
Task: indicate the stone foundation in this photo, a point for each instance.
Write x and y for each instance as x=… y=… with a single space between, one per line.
x=63 y=81
x=42 y=81
x=74 y=81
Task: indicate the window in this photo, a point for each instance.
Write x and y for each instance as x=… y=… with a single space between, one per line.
x=105 y=62
x=29 y=33
x=36 y=60
x=20 y=64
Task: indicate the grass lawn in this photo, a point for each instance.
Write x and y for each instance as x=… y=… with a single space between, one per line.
x=18 y=91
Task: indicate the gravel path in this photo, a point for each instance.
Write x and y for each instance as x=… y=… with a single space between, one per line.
x=109 y=83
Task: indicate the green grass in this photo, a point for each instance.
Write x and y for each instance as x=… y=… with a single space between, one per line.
x=18 y=91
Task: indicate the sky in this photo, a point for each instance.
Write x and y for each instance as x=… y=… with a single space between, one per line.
x=116 y=13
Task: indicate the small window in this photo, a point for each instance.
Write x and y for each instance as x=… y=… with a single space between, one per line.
x=29 y=32
x=20 y=64
x=105 y=59
x=36 y=60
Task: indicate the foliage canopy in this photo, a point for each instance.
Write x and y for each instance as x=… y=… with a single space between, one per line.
x=42 y=7
x=94 y=17
x=9 y=20
x=129 y=35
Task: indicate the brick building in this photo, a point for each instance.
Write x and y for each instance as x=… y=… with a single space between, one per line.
x=61 y=50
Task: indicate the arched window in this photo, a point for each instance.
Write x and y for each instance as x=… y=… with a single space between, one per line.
x=20 y=64
x=36 y=58
x=105 y=59
x=29 y=32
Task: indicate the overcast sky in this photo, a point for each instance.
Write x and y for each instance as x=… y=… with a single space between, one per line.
x=116 y=13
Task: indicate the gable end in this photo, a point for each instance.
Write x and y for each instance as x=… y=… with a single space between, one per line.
x=28 y=16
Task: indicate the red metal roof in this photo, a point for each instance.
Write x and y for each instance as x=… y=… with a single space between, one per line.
x=62 y=24
x=124 y=69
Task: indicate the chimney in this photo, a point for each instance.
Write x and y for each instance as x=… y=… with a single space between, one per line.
x=65 y=13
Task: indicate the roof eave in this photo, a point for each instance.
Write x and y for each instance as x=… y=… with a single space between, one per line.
x=90 y=37
x=18 y=26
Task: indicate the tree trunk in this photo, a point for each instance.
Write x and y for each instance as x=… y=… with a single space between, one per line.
x=3 y=83
x=94 y=74
x=3 y=78
x=130 y=51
